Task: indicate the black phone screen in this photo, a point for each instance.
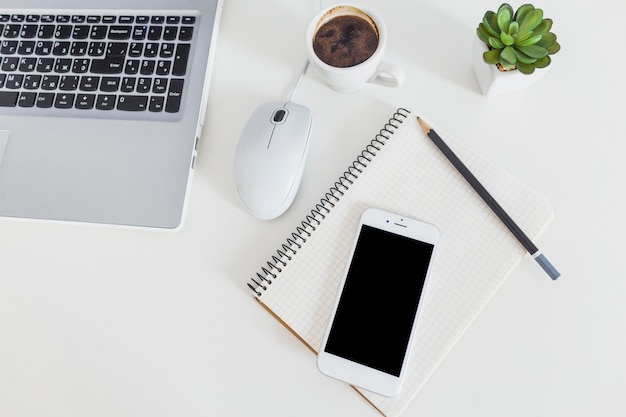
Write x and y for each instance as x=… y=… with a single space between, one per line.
x=379 y=301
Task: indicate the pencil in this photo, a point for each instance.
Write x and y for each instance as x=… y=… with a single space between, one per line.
x=491 y=202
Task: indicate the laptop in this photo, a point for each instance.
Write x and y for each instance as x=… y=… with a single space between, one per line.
x=101 y=108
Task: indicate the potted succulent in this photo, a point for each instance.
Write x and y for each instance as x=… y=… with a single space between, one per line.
x=512 y=48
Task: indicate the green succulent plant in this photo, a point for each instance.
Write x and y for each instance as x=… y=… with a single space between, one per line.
x=520 y=39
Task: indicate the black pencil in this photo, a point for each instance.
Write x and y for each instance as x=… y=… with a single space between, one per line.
x=491 y=202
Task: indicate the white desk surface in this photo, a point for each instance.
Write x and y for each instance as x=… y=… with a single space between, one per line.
x=103 y=321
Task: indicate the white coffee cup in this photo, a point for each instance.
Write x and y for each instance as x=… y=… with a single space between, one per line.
x=351 y=78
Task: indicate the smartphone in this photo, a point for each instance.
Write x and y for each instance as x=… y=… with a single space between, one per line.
x=374 y=317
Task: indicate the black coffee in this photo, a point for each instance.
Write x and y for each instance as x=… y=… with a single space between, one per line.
x=345 y=41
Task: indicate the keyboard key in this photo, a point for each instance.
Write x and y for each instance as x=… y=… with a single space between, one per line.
x=50 y=82
x=97 y=48
x=43 y=48
x=32 y=82
x=151 y=50
x=147 y=67
x=107 y=65
x=27 y=99
x=45 y=100
x=180 y=59
x=135 y=49
x=80 y=66
x=45 y=65
x=110 y=84
x=132 y=66
x=26 y=48
x=132 y=103
x=29 y=31
x=174 y=96
x=105 y=102
x=46 y=31
x=128 y=84
x=99 y=32
x=143 y=85
x=27 y=64
x=81 y=31
x=186 y=33
x=120 y=32
x=64 y=101
x=9 y=64
x=117 y=49
x=63 y=65
x=159 y=86
x=63 y=31
x=8 y=98
x=85 y=101
x=12 y=31
x=61 y=48
x=156 y=104
x=68 y=83
x=79 y=48
x=14 y=81
x=88 y=83
x=154 y=33
x=139 y=33
x=170 y=33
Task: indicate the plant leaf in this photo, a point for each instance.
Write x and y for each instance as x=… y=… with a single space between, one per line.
x=531 y=20
x=543 y=62
x=523 y=58
x=554 y=48
x=504 y=15
x=530 y=41
x=507 y=39
x=525 y=68
x=482 y=34
x=534 y=51
x=522 y=10
x=521 y=37
x=508 y=55
x=548 y=41
x=496 y=43
x=492 y=56
x=513 y=28
x=543 y=27
x=490 y=20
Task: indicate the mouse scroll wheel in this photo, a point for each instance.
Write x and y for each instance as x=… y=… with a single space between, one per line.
x=279 y=116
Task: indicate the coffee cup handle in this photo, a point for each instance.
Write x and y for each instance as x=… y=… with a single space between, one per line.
x=388 y=75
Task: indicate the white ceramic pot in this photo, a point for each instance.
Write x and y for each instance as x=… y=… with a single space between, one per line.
x=494 y=82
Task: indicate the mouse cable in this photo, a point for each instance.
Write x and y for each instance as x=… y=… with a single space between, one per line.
x=295 y=87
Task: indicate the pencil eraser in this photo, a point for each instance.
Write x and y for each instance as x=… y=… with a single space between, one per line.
x=547 y=266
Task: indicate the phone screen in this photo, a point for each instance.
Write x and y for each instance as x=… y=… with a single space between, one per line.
x=379 y=301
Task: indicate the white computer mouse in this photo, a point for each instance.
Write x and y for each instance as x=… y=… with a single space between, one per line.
x=270 y=157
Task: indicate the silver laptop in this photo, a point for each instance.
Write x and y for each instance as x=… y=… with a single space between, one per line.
x=101 y=107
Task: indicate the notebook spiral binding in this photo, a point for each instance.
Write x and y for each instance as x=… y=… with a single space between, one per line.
x=294 y=242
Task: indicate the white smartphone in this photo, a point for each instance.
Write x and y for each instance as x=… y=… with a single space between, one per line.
x=372 y=323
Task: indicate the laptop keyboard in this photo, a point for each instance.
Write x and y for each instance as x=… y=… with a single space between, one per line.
x=98 y=63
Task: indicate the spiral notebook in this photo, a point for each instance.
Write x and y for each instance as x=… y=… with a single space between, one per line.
x=402 y=171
